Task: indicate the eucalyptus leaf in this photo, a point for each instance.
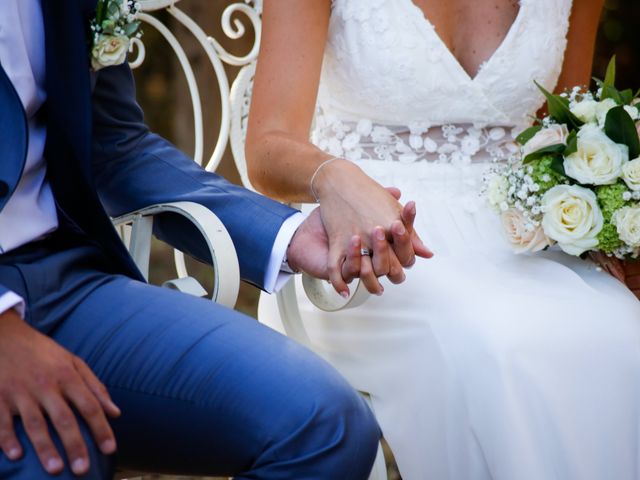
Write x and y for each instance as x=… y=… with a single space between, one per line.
x=131 y=28
x=620 y=127
x=559 y=109
x=557 y=149
x=528 y=134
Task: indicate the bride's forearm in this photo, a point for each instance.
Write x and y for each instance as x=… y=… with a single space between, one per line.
x=282 y=166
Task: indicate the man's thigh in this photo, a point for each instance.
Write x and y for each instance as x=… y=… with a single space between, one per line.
x=206 y=390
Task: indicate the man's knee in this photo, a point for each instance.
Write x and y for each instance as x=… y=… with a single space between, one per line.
x=29 y=466
x=326 y=428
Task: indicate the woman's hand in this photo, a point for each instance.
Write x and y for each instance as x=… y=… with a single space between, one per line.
x=352 y=204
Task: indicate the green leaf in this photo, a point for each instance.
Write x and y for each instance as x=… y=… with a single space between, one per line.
x=131 y=28
x=543 y=152
x=528 y=134
x=559 y=109
x=572 y=144
x=627 y=96
x=610 y=77
x=100 y=8
x=620 y=128
x=557 y=165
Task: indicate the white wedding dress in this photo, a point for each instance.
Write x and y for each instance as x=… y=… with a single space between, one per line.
x=483 y=364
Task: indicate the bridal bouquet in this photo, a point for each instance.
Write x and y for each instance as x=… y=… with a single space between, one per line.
x=576 y=180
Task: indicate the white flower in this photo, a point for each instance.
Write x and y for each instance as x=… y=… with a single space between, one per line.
x=633 y=112
x=109 y=50
x=627 y=222
x=631 y=174
x=470 y=145
x=364 y=127
x=572 y=218
x=381 y=134
x=585 y=110
x=521 y=234
x=598 y=160
x=497 y=190
x=551 y=135
x=603 y=108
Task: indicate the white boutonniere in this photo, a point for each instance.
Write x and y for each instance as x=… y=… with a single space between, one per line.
x=111 y=31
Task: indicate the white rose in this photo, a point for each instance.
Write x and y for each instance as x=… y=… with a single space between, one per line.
x=551 y=135
x=631 y=174
x=585 y=110
x=627 y=222
x=603 y=108
x=109 y=50
x=572 y=218
x=522 y=237
x=598 y=160
x=497 y=190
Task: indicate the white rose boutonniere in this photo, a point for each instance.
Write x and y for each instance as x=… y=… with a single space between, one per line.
x=572 y=218
x=111 y=30
x=598 y=159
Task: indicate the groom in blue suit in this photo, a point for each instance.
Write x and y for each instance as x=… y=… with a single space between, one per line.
x=89 y=353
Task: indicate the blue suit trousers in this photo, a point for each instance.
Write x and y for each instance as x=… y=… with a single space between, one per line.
x=203 y=390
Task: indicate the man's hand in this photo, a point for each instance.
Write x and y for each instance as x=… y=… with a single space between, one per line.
x=309 y=253
x=39 y=376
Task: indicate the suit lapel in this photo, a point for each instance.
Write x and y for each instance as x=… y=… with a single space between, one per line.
x=13 y=138
x=68 y=80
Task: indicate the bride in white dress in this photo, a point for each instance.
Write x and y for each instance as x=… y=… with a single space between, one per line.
x=483 y=364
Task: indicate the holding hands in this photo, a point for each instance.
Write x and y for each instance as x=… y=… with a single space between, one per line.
x=359 y=230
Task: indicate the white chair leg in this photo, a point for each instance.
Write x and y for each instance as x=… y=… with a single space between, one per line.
x=379 y=470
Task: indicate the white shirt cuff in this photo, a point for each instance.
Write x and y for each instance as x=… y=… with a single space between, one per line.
x=274 y=278
x=12 y=300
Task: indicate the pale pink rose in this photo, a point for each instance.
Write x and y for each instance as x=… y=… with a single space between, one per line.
x=521 y=238
x=551 y=135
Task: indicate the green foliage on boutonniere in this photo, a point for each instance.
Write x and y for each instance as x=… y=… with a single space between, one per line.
x=115 y=24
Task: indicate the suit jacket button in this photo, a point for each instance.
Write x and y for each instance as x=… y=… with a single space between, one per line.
x=4 y=188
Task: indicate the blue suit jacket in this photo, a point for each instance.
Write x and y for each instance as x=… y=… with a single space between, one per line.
x=102 y=159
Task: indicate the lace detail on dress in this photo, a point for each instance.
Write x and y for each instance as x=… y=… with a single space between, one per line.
x=385 y=61
x=418 y=141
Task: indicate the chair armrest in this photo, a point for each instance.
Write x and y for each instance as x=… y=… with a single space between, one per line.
x=136 y=229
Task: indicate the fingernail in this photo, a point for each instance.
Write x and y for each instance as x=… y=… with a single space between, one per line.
x=380 y=234
x=380 y=292
x=53 y=464
x=400 y=230
x=79 y=465
x=344 y=294
x=108 y=446
x=115 y=407
x=14 y=453
x=413 y=209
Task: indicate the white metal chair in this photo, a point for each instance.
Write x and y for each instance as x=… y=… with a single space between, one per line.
x=136 y=227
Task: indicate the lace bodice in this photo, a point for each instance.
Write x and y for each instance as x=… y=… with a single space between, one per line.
x=390 y=88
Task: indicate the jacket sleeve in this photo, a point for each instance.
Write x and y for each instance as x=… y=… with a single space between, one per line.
x=134 y=168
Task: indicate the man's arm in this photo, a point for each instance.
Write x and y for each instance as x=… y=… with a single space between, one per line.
x=135 y=168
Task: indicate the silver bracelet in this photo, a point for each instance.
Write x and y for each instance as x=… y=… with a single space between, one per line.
x=313 y=177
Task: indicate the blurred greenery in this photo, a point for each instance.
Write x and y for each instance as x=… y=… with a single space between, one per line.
x=162 y=92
